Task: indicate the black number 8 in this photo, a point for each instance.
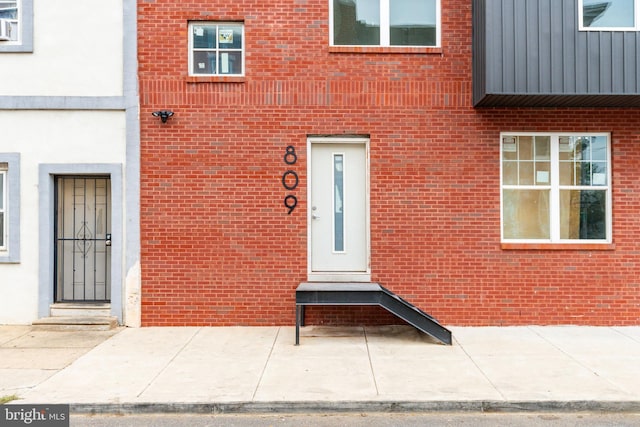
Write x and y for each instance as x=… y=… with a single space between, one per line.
x=290 y=156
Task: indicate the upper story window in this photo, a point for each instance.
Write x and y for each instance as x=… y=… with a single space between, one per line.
x=385 y=22
x=609 y=15
x=16 y=25
x=216 y=49
x=556 y=188
x=9 y=20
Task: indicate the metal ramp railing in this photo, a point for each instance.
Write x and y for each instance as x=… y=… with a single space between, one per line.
x=366 y=294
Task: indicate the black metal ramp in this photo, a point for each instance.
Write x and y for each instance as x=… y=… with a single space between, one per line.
x=366 y=294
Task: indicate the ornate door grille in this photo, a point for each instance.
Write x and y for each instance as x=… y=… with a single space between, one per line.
x=82 y=239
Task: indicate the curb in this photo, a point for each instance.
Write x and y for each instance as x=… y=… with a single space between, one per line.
x=355 y=406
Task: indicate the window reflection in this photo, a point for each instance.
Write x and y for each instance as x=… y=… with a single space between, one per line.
x=608 y=14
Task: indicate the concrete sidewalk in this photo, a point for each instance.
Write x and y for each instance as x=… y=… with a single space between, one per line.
x=258 y=369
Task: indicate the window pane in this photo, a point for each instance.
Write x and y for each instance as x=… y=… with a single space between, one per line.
x=566 y=147
x=1 y=229
x=543 y=148
x=526 y=173
x=356 y=22
x=230 y=62
x=583 y=173
x=525 y=148
x=598 y=148
x=8 y=10
x=510 y=173
x=583 y=214
x=413 y=22
x=204 y=62
x=338 y=213
x=543 y=173
x=526 y=214
x=608 y=13
x=509 y=148
x=567 y=173
x=598 y=173
x=204 y=36
x=230 y=37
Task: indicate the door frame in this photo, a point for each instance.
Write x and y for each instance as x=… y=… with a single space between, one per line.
x=46 y=191
x=339 y=276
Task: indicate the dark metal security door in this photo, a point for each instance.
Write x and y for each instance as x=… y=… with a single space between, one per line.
x=82 y=239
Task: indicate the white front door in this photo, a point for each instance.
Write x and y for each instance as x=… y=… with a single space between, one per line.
x=338 y=209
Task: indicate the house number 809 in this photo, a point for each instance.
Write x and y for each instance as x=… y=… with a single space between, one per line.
x=290 y=179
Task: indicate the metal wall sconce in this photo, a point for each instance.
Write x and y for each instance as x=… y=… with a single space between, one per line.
x=163 y=114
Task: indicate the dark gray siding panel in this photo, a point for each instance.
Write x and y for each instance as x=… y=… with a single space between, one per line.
x=479 y=50
x=534 y=48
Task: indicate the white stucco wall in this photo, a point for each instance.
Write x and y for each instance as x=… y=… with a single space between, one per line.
x=77 y=54
x=52 y=136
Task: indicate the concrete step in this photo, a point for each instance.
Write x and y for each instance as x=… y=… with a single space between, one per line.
x=76 y=323
x=81 y=310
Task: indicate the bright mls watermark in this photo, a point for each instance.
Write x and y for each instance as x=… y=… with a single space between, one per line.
x=34 y=415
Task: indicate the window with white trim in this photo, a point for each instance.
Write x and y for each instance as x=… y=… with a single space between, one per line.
x=385 y=22
x=3 y=206
x=9 y=20
x=556 y=188
x=609 y=15
x=9 y=208
x=16 y=26
x=216 y=49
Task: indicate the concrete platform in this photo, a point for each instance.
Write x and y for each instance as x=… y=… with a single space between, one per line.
x=76 y=323
x=259 y=369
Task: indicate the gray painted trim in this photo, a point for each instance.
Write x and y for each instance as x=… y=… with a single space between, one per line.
x=26 y=27
x=62 y=103
x=46 y=173
x=13 y=204
x=132 y=167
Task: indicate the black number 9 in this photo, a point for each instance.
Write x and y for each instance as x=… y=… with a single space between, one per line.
x=290 y=202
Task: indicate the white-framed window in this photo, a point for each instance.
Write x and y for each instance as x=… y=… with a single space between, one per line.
x=384 y=23
x=609 y=15
x=216 y=48
x=16 y=26
x=556 y=187
x=3 y=206
x=9 y=20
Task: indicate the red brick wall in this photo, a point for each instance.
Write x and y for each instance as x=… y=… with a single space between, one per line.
x=218 y=247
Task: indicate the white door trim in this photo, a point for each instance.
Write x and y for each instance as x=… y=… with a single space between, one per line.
x=342 y=276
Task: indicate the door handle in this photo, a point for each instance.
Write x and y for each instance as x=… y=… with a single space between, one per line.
x=107 y=240
x=314 y=216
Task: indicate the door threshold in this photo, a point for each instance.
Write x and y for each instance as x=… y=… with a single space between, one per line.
x=339 y=277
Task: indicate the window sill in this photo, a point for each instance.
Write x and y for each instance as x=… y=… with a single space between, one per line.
x=560 y=246
x=215 y=79
x=385 y=49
